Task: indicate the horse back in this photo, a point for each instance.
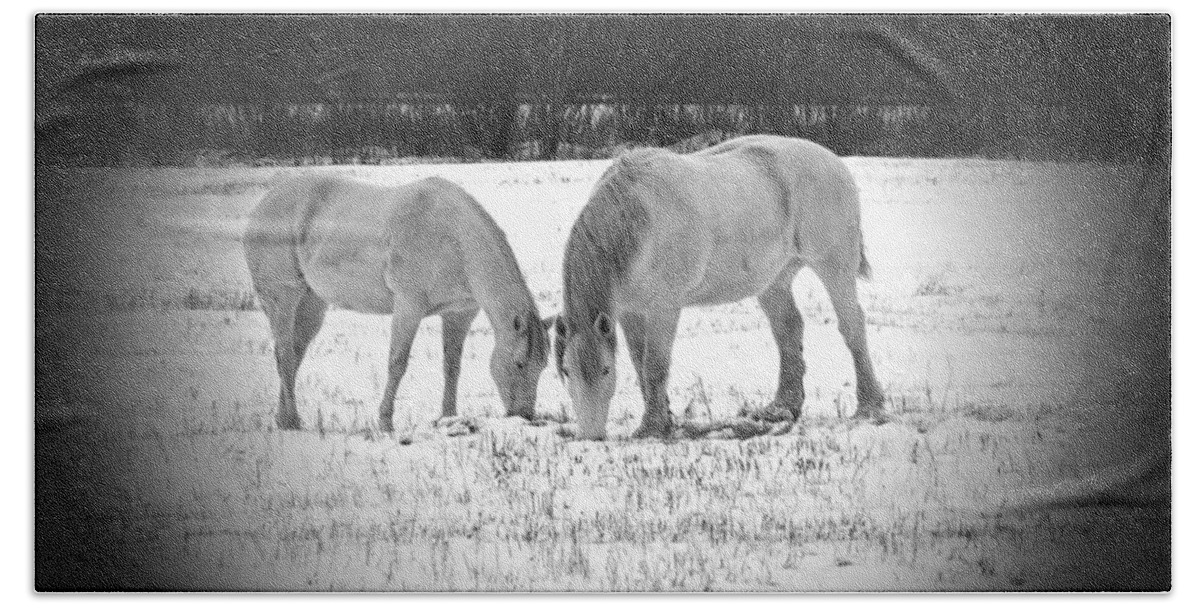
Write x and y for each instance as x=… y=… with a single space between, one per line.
x=714 y=226
x=817 y=194
x=724 y=221
x=360 y=245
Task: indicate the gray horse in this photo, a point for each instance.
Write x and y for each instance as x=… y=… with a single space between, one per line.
x=664 y=231
x=410 y=251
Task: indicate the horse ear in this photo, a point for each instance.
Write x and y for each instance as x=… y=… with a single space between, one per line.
x=549 y=321
x=560 y=328
x=603 y=324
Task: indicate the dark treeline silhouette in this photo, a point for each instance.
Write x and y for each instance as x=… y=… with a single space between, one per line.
x=119 y=90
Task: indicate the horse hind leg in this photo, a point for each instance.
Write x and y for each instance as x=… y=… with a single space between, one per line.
x=282 y=291
x=787 y=326
x=281 y=306
x=455 y=326
x=310 y=315
x=841 y=283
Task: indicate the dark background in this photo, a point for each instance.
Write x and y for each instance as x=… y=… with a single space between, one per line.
x=120 y=91
x=183 y=90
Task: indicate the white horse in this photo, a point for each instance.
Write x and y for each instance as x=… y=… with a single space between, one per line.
x=410 y=251
x=664 y=231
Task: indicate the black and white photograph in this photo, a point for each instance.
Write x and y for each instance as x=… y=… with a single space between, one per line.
x=602 y=302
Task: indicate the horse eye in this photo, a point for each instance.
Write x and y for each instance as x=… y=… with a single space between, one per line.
x=606 y=370
x=520 y=365
x=566 y=374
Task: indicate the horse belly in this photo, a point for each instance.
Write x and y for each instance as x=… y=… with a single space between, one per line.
x=352 y=282
x=735 y=275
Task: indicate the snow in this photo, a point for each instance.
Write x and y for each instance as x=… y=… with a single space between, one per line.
x=980 y=321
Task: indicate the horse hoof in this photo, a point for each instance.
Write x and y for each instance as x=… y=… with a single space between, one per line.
x=693 y=429
x=654 y=429
x=774 y=413
x=746 y=429
x=453 y=426
x=528 y=416
x=288 y=423
x=783 y=428
x=385 y=426
x=875 y=415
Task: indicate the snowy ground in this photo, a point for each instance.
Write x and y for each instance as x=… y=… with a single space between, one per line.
x=980 y=321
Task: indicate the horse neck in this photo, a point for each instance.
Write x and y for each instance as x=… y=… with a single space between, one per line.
x=496 y=283
x=588 y=291
x=600 y=250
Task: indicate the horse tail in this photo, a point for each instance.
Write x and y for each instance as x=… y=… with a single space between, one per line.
x=864 y=267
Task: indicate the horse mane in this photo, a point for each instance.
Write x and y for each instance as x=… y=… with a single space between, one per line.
x=602 y=245
x=536 y=339
x=498 y=261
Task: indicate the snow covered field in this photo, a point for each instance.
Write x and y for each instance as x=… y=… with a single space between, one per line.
x=980 y=320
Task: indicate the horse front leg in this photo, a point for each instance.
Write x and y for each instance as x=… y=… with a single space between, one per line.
x=633 y=325
x=659 y=338
x=455 y=326
x=406 y=318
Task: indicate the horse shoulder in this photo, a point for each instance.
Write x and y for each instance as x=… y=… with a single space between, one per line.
x=436 y=187
x=735 y=144
x=676 y=246
x=420 y=215
x=427 y=233
x=643 y=165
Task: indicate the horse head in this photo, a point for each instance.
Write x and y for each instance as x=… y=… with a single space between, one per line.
x=585 y=359
x=520 y=355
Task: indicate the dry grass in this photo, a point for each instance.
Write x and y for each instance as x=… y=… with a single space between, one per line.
x=174 y=391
